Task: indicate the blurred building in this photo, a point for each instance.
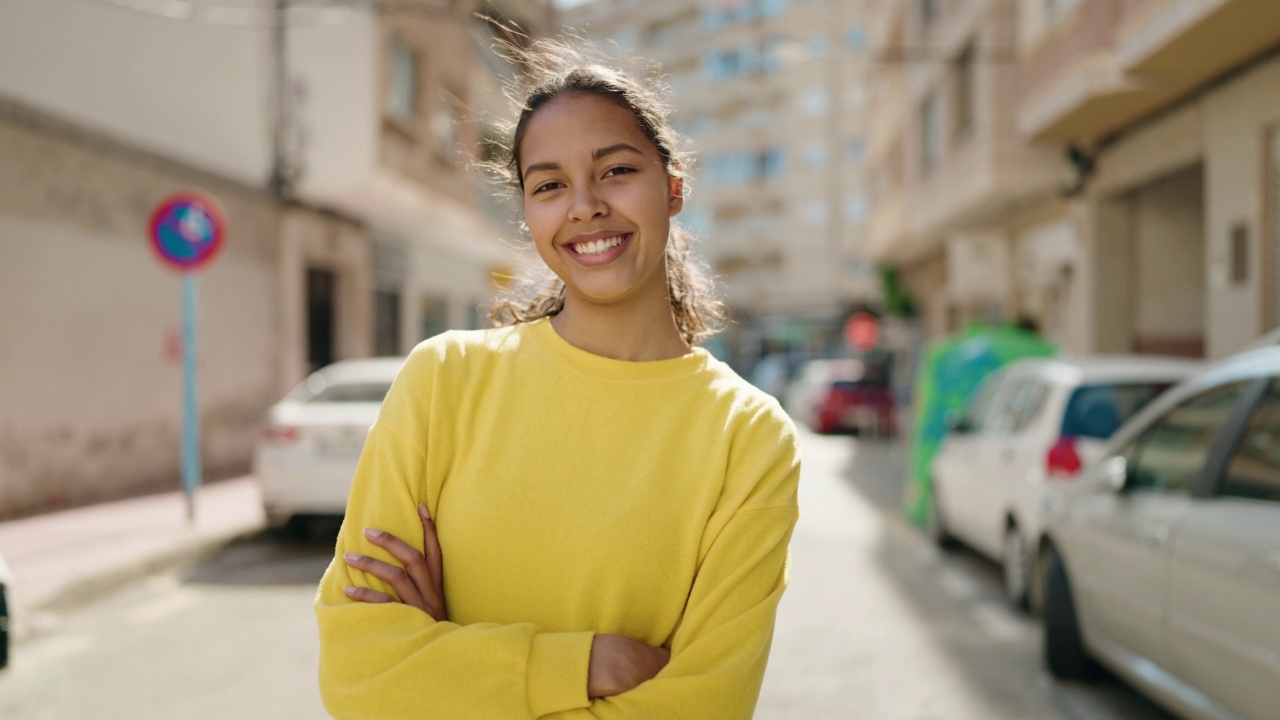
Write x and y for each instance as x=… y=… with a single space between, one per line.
x=338 y=147
x=953 y=187
x=1139 y=210
x=769 y=92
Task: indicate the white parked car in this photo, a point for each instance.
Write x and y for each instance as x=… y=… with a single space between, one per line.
x=1163 y=561
x=308 y=450
x=1033 y=424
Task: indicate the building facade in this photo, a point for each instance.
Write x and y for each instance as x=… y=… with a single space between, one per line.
x=767 y=92
x=1172 y=110
x=953 y=188
x=1138 y=208
x=339 y=150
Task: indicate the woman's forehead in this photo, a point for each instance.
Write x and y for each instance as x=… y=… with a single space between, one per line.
x=579 y=124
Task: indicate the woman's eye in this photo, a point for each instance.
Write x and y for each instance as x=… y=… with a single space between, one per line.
x=546 y=186
x=621 y=170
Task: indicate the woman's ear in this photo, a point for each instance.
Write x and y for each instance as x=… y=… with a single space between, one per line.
x=675 y=199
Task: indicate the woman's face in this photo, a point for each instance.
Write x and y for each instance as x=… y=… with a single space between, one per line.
x=597 y=199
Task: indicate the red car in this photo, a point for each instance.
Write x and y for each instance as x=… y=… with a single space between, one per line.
x=843 y=395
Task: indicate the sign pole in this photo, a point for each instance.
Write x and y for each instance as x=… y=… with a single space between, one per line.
x=190 y=407
x=186 y=231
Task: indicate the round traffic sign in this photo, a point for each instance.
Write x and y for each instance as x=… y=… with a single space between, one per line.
x=187 y=230
x=862 y=331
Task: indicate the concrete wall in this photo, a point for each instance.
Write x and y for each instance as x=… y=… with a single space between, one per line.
x=189 y=90
x=1223 y=132
x=1236 y=118
x=1169 y=251
x=90 y=322
x=199 y=91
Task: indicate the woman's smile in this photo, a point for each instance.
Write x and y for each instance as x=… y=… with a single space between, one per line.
x=599 y=248
x=598 y=202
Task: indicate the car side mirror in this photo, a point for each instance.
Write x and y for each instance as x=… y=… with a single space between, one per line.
x=1115 y=474
x=958 y=423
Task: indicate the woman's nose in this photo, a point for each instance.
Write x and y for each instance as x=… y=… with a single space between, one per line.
x=587 y=203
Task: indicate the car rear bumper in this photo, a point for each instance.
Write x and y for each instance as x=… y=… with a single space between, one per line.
x=314 y=488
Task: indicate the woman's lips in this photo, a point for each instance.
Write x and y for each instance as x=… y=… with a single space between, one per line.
x=603 y=253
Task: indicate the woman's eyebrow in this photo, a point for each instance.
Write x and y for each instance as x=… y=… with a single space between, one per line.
x=613 y=149
x=595 y=156
x=535 y=167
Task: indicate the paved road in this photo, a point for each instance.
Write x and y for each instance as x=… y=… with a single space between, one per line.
x=876 y=625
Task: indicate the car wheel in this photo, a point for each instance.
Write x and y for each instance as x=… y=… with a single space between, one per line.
x=1064 y=650
x=936 y=524
x=4 y=626
x=1015 y=562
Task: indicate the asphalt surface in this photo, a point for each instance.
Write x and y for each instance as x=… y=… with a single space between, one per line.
x=876 y=624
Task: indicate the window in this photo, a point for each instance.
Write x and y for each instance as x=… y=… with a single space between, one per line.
x=857 y=38
x=402 y=86
x=386 y=322
x=435 y=316
x=855 y=150
x=1055 y=10
x=815 y=154
x=352 y=392
x=1254 y=471
x=856 y=208
x=773 y=163
x=1096 y=411
x=965 y=80
x=930 y=132
x=744 y=166
x=979 y=410
x=814 y=101
x=1017 y=407
x=1170 y=455
x=929 y=11
x=447 y=119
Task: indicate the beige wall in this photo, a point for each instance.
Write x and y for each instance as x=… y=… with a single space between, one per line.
x=1236 y=119
x=90 y=401
x=312 y=239
x=1168 y=237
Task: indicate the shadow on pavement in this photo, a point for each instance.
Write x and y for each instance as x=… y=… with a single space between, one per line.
x=297 y=555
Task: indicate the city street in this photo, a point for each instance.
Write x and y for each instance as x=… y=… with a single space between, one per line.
x=876 y=624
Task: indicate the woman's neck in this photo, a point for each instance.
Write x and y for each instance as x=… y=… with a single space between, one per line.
x=621 y=331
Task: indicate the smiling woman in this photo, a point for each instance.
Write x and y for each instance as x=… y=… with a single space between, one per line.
x=580 y=514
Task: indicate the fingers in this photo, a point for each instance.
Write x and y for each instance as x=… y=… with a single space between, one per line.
x=412 y=560
x=431 y=548
x=396 y=577
x=366 y=595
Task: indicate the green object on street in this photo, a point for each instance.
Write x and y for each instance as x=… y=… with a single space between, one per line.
x=952 y=369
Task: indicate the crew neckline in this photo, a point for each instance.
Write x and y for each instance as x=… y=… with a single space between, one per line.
x=602 y=366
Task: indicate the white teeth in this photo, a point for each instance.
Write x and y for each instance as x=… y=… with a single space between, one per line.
x=595 y=247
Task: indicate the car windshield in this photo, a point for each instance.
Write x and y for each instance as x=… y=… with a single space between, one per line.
x=1096 y=411
x=351 y=392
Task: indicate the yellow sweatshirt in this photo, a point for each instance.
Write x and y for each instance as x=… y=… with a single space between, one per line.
x=573 y=494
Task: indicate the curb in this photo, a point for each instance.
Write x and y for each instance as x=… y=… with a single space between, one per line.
x=32 y=620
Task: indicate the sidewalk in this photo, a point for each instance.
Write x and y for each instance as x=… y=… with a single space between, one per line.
x=62 y=558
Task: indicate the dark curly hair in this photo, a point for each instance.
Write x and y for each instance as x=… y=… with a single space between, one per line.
x=554 y=68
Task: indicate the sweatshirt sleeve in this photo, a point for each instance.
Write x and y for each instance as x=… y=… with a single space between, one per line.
x=719 y=650
x=390 y=661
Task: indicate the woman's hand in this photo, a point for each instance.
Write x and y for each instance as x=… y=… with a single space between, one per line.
x=619 y=663
x=420 y=582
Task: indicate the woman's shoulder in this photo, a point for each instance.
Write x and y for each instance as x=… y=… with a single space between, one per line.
x=459 y=344
x=749 y=406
